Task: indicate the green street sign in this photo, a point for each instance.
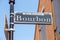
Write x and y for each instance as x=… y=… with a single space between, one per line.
x=32 y=18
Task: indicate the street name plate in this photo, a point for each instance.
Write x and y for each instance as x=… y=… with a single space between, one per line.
x=32 y=18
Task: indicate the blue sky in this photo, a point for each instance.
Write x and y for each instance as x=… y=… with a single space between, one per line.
x=25 y=31
x=22 y=31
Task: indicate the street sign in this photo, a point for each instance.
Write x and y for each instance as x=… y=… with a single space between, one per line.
x=32 y=18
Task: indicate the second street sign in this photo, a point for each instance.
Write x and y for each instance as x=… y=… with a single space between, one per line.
x=32 y=18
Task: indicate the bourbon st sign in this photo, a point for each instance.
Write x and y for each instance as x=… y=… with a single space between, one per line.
x=32 y=18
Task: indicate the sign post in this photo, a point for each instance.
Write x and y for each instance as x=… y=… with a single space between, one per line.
x=11 y=2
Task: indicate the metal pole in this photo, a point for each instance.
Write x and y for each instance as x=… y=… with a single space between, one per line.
x=11 y=2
